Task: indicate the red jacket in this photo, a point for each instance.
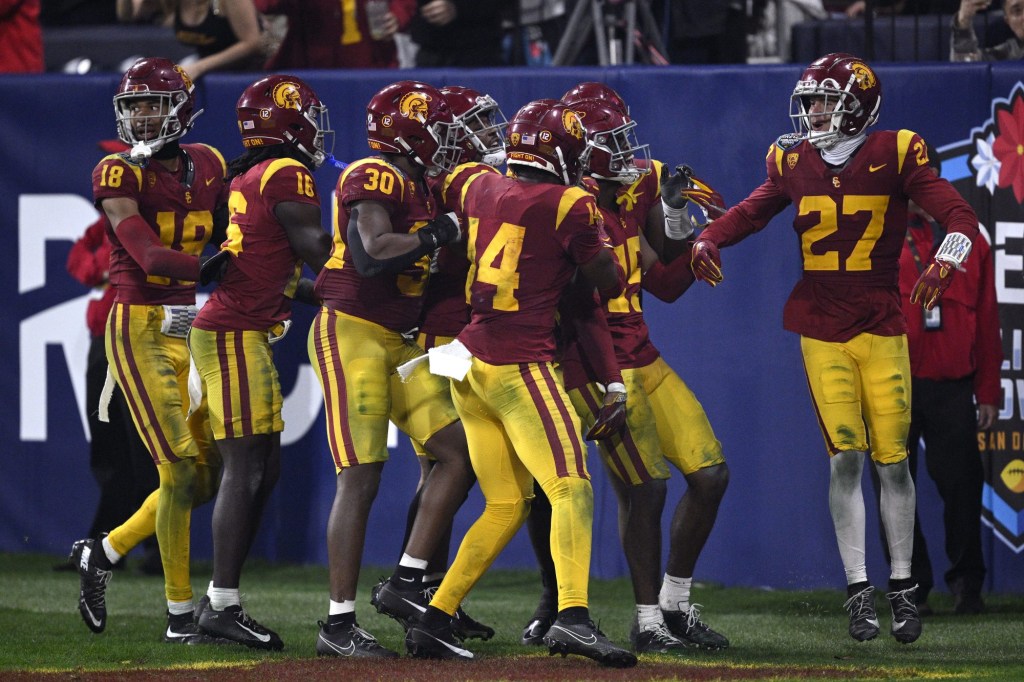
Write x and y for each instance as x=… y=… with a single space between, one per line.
x=968 y=341
x=21 y=37
x=89 y=263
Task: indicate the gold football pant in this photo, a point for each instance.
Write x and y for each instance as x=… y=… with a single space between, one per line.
x=521 y=426
x=152 y=370
x=861 y=393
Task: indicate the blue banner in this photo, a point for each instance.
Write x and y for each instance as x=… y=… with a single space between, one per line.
x=774 y=527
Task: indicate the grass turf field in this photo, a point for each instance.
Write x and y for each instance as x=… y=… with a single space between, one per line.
x=777 y=635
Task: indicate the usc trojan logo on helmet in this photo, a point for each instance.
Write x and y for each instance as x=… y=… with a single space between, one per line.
x=572 y=124
x=286 y=95
x=864 y=75
x=184 y=77
x=414 y=105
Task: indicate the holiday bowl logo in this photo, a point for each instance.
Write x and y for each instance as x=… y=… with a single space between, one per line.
x=987 y=168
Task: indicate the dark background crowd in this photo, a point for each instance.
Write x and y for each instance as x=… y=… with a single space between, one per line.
x=81 y=36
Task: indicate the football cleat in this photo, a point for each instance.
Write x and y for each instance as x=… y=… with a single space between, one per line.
x=688 y=627
x=863 y=619
x=405 y=606
x=349 y=641
x=182 y=629
x=435 y=642
x=92 y=592
x=234 y=624
x=463 y=625
x=533 y=633
x=906 y=622
x=584 y=639
x=658 y=640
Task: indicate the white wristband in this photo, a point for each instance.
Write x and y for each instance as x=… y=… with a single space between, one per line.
x=677 y=227
x=616 y=387
x=954 y=250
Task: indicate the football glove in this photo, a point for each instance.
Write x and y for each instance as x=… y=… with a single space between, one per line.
x=706 y=262
x=214 y=268
x=444 y=229
x=611 y=418
x=932 y=283
x=684 y=186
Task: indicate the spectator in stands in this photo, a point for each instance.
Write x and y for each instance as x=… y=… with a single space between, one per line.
x=965 y=47
x=21 y=37
x=326 y=34
x=708 y=32
x=78 y=12
x=458 y=33
x=226 y=34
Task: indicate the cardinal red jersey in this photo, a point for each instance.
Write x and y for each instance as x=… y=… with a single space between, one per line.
x=445 y=310
x=392 y=301
x=850 y=223
x=624 y=314
x=256 y=292
x=179 y=208
x=524 y=242
x=445 y=307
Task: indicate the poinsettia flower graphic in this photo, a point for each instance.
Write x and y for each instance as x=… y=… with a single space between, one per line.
x=1009 y=148
x=986 y=165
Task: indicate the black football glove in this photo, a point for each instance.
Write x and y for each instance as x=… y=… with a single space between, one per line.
x=213 y=268
x=444 y=229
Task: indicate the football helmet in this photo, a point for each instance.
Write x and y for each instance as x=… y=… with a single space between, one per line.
x=851 y=94
x=482 y=125
x=169 y=111
x=413 y=119
x=612 y=143
x=548 y=136
x=282 y=109
x=595 y=90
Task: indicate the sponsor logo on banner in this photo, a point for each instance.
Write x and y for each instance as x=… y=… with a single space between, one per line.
x=988 y=170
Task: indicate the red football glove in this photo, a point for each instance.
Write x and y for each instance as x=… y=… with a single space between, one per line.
x=932 y=283
x=611 y=419
x=706 y=262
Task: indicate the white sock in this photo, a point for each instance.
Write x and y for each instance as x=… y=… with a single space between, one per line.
x=338 y=607
x=223 y=597
x=412 y=562
x=675 y=593
x=896 y=508
x=648 y=616
x=434 y=577
x=180 y=608
x=109 y=550
x=846 y=502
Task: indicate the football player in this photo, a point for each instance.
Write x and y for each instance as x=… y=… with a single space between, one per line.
x=445 y=312
x=528 y=235
x=387 y=226
x=850 y=189
x=162 y=199
x=275 y=227
x=665 y=424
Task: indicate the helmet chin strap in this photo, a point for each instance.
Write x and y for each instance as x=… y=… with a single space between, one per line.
x=840 y=151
